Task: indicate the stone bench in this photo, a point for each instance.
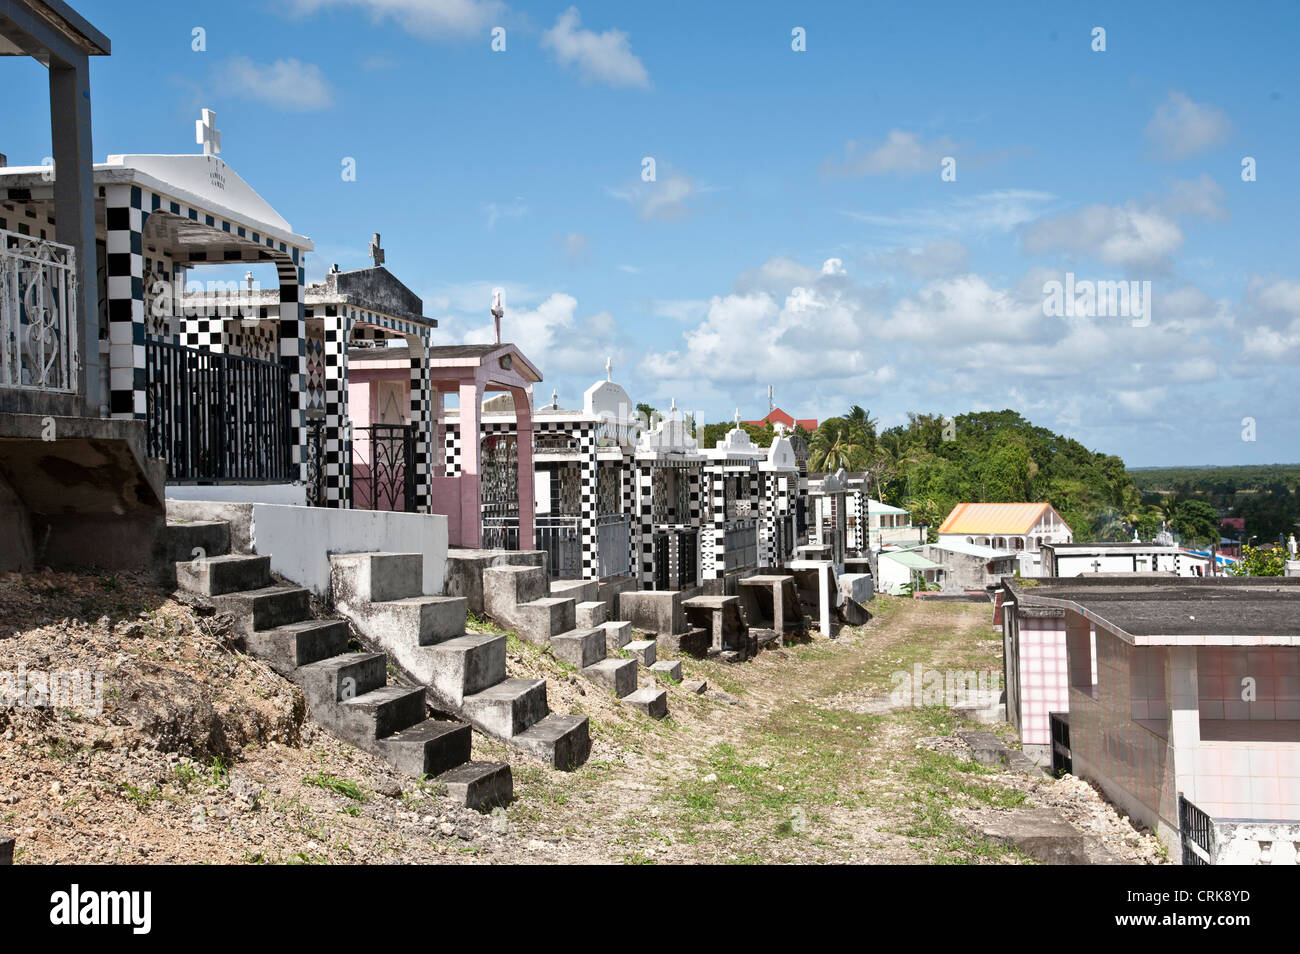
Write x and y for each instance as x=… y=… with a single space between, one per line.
x=721 y=617
x=771 y=602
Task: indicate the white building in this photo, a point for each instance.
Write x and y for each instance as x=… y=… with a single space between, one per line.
x=1080 y=559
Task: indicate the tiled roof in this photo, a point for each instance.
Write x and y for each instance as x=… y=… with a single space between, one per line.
x=994 y=517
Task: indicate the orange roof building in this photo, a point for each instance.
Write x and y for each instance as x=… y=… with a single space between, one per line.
x=776 y=416
x=1009 y=526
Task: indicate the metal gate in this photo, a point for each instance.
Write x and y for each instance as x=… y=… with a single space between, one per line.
x=383 y=467
x=1062 y=764
x=1196 y=831
x=214 y=416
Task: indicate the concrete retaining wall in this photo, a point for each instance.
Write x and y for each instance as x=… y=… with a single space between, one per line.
x=301 y=539
x=293 y=494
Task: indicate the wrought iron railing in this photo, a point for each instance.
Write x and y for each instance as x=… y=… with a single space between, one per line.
x=214 y=416
x=383 y=467
x=561 y=537
x=38 y=314
x=741 y=544
x=1197 y=831
x=500 y=532
x=613 y=538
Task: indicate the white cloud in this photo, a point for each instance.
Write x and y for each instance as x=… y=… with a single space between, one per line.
x=1181 y=128
x=1125 y=235
x=286 y=84
x=933 y=260
x=432 y=19
x=999 y=211
x=901 y=153
x=666 y=199
x=833 y=266
x=575 y=248
x=598 y=57
x=496 y=211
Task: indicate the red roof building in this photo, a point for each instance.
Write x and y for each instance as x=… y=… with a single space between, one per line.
x=777 y=416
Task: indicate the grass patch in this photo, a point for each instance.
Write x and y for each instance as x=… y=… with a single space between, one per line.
x=339 y=786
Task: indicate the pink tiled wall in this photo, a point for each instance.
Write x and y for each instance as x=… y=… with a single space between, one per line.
x=1222 y=670
x=1044 y=678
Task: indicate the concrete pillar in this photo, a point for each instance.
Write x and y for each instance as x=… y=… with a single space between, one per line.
x=471 y=464
x=74 y=209
x=589 y=502
x=1182 y=695
x=124 y=241
x=524 y=453
x=422 y=415
x=336 y=435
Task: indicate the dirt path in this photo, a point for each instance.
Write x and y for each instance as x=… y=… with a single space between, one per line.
x=202 y=755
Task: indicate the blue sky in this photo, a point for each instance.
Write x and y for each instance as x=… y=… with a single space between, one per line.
x=798 y=232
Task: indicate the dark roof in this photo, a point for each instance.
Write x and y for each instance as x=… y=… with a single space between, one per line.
x=1149 y=605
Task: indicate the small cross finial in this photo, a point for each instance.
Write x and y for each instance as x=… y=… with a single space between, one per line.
x=498 y=310
x=248 y=280
x=555 y=398
x=206 y=133
x=376 y=250
x=736 y=418
x=609 y=368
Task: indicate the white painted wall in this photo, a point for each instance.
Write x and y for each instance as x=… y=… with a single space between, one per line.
x=301 y=539
x=241 y=493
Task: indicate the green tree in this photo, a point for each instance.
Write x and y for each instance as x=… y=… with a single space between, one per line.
x=836 y=443
x=1196 y=522
x=1260 y=561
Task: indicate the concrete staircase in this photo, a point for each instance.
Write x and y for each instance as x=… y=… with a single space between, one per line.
x=346 y=692
x=519 y=598
x=382 y=595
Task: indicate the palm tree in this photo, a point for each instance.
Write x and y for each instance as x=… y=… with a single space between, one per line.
x=837 y=443
x=860 y=419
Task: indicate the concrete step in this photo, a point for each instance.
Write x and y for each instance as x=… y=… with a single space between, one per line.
x=481 y=786
x=617 y=634
x=505 y=587
x=616 y=675
x=465 y=570
x=376 y=577
x=428 y=748
x=265 y=608
x=287 y=647
x=644 y=650
x=670 y=668
x=219 y=575
x=563 y=741
x=579 y=647
x=382 y=712
x=541 y=619
x=508 y=708
x=590 y=614
x=653 y=702
x=342 y=677
x=580 y=591
x=419 y=620
x=210 y=537
x=458 y=668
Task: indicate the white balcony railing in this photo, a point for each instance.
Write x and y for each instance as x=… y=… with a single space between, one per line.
x=38 y=314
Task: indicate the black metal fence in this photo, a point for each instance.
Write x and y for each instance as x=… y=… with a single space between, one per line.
x=1197 y=831
x=383 y=467
x=1062 y=762
x=215 y=417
